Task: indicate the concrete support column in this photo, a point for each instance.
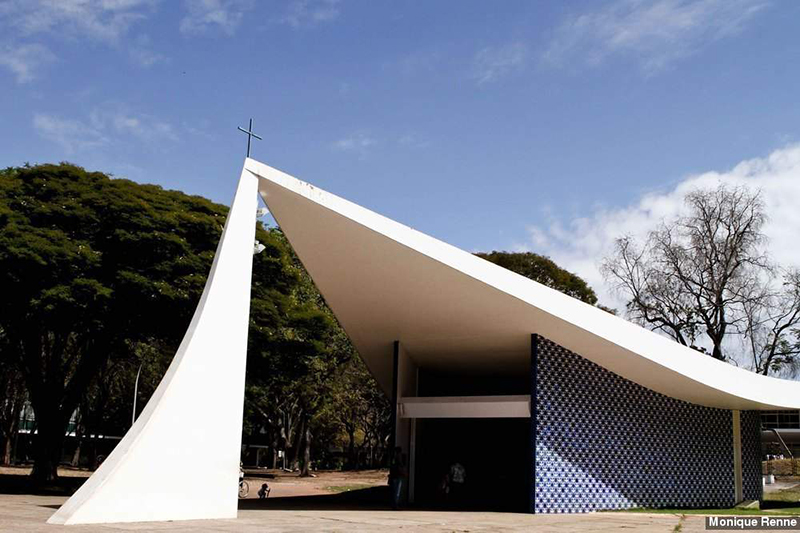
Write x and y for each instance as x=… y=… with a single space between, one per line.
x=412 y=458
x=737 y=456
x=404 y=384
x=395 y=394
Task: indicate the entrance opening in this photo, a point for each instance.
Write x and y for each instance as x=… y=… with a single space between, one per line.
x=495 y=454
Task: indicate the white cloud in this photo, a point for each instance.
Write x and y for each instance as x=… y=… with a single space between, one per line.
x=413 y=141
x=423 y=62
x=104 y=20
x=72 y=135
x=142 y=53
x=204 y=16
x=581 y=244
x=492 y=63
x=123 y=123
x=358 y=143
x=655 y=33
x=104 y=125
x=25 y=60
x=310 y=13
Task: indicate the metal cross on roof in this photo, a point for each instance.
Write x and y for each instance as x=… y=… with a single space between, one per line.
x=250 y=135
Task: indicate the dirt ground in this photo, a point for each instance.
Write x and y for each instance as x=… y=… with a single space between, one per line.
x=25 y=470
x=288 y=484
x=281 y=484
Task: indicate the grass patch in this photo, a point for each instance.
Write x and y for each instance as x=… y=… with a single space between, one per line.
x=786 y=501
x=785 y=495
x=719 y=512
x=348 y=488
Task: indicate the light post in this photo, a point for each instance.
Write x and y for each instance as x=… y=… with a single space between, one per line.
x=135 y=394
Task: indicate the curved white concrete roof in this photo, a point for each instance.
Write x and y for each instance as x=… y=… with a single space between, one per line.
x=386 y=281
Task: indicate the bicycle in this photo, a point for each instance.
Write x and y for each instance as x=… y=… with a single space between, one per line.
x=244 y=488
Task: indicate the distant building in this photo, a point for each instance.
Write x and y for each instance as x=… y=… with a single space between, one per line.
x=78 y=450
x=780 y=430
x=780 y=419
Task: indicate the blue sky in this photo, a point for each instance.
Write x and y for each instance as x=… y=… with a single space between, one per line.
x=491 y=125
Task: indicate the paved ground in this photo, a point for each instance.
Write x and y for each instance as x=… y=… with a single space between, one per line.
x=325 y=504
x=26 y=513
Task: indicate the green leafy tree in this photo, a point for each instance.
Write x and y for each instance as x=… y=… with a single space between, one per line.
x=294 y=353
x=90 y=268
x=545 y=271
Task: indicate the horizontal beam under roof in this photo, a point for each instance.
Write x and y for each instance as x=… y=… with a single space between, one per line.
x=517 y=406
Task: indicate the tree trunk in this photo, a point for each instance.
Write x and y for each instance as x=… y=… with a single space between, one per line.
x=48 y=444
x=7 y=451
x=306 y=450
x=717 y=353
x=15 y=447
x=293 y=447
x=351 y=448
x=47 y=456
x=80 y=432
x=76 y=457
x=9 y=433
x=91 y=455
x=10 y=408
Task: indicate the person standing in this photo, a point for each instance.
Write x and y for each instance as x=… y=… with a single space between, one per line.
x=397 y=477
x=458 y=479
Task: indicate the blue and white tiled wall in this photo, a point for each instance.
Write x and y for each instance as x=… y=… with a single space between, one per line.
x=604 y=442
x=750 y=422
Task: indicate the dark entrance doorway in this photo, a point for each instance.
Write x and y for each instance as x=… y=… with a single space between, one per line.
x=495 y=453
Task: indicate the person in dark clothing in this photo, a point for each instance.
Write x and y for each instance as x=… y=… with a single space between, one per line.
x=398 y=474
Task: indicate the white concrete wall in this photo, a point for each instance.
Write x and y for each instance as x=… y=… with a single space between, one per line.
x=180 y=460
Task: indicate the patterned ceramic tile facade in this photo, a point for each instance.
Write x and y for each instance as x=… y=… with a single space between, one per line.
x=604 y=442
x=750 y=422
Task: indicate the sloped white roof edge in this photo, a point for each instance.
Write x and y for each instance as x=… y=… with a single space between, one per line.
x=624 y=348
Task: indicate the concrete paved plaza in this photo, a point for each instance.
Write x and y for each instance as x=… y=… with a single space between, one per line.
x=23 y=512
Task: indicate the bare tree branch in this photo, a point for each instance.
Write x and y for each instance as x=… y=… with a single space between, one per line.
x=705 y=276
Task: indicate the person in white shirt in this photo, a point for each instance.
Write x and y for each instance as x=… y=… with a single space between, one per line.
x=458 y=479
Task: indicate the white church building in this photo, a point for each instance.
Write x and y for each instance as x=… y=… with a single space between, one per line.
x=569 y=408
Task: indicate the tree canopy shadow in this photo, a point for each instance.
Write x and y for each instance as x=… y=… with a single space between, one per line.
x=372 y=498
x=368 y=499
x=16 y=484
